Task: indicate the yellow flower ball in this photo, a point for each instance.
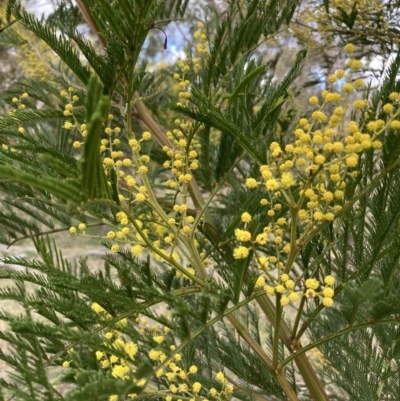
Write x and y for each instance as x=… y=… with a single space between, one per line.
x=240 y=252
x=246 y=217
x=329 y=280
x=327 y=302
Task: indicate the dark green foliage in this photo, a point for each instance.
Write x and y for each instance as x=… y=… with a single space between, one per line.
x=94 y=182
x=237 y=109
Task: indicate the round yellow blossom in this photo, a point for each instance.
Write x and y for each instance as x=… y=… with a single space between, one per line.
x=115 y=248
x=186 y=229
x=143 y=170
x=251 y=183
x=303 y=214
x=284 y=278
x=108 y=131
x=108 y=162
x=310 y=293
x=97 y=308
x=395 y=124
x=394 y=96
x=246 y=217
x=154 y=354
x=240 y=252
x=105 y=364
x=359 y=83
x=352 y=160
x=99 y=355
x=185 y=178
x=286 y=248
x=354 y=65
x=136 y=250
x=159 y=339
x=339 y=194
x=347 y=87
x=332 y=78
x=290 y=284
x=127 y=162
x=260 y=282
x=360 y=104
x=66 y=364
x=140 y=197
x=68 y=125
x=25 y=95
x=272 y=184
x=77 y=144
x=319 y=116
x=349 y=48
x=280 y=289
x=285 y=301
x=312 y=283
x=72 y=230
x=111 y=235
x=293 y=296
x=82 y=226
x=329 y=216
x=261 y=239
x=193 y=369
x=327 y=302
x=146 y=136
x=313 y=100
x=220 y=377
x=269 y=290
x=318 y=216
x=328 y=292
x=242 y=235
x=388 y=108
x=332 y=97
x=287 y=180
x=319 y=159
x=329 y=280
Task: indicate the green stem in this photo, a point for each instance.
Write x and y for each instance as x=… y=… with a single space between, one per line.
x=293 y=238
x=307 y=372
x=332 y=336
x=278 y=318
x=292 y=396
x=298 y=316
x=210 y=323
x=246 y=335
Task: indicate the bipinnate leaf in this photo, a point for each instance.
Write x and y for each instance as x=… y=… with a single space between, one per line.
x=94 y=181
x=385 y=307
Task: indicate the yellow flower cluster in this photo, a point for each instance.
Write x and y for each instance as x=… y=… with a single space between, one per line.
x=69 y=110
x=201 y=37
x=180 y=381
x=182 y=158
x=323 y=154
x=326 y=294
x=18 y=101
